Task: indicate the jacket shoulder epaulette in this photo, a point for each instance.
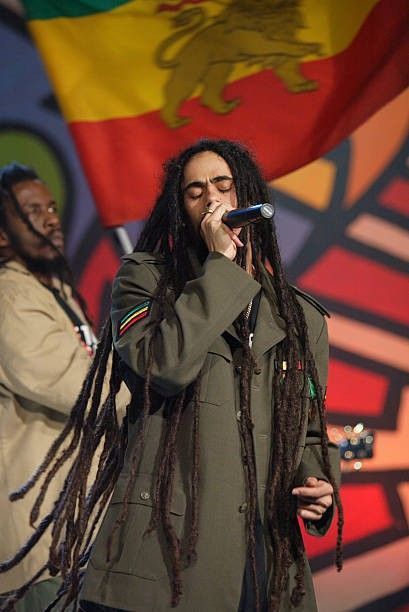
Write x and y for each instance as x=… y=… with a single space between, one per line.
x=311 y=300
x=141 y=257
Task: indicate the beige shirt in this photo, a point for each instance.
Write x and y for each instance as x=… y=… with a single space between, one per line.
x=43 y=363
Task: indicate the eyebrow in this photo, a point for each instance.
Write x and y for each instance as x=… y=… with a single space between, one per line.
x=216 y=179
x=34 y=203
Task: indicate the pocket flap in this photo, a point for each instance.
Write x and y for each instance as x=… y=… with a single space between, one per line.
x=221 y=347
x=143 y=491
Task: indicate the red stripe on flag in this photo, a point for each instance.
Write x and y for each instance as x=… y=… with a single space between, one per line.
x=123 y=157
x=96 y=279
x=353 y=390
x=363 y=283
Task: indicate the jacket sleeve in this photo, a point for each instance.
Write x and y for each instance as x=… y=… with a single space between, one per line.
x=204 y=309
x=311 y=462
x=42 y=361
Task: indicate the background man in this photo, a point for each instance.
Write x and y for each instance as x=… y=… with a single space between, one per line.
x=46 y=344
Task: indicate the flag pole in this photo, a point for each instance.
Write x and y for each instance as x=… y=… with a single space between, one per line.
x=123 y=239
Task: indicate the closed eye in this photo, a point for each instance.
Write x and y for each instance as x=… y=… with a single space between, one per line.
x=195 y=189
x=194 y=193
x=223 y=184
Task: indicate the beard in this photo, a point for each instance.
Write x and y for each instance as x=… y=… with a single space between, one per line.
x=46 y=267
x=36 y=264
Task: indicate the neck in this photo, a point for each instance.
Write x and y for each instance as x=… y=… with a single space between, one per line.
x=45 y=279
x=44 y=271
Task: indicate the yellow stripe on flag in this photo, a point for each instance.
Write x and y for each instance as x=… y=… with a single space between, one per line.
x=109 y=58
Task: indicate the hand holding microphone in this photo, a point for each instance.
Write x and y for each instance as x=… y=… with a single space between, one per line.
x=227 y=241
x=239 y=217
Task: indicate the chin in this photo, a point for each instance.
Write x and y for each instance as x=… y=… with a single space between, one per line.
x=50 y=266
x=51 y=253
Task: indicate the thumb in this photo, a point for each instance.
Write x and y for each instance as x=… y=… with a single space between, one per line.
x=311 y=481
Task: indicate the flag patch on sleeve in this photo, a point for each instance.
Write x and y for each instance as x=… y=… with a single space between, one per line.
x=133 y=316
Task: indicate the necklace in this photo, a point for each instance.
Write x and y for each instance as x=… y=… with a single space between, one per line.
x=247 y=315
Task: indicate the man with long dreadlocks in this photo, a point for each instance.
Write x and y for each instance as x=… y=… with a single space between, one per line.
x=225 y=440
x=45 y=348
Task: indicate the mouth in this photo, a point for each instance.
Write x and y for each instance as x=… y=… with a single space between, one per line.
x=57 y=239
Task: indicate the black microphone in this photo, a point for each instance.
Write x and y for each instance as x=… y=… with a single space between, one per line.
x=239 y=217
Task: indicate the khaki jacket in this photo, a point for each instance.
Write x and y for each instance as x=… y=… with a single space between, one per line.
x=42 y=366
x=197 y=334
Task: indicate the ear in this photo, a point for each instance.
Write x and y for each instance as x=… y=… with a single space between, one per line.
x=4 y=239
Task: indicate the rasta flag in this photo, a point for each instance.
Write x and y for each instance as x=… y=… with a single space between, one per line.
x=137 y=80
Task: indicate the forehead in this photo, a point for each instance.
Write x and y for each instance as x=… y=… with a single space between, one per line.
x=205 y=165
x=31 y=191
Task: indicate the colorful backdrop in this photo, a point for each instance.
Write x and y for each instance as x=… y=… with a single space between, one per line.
x=344 y=231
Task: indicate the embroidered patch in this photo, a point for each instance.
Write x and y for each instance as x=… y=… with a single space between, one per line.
x=133 y=316
x=312 y=389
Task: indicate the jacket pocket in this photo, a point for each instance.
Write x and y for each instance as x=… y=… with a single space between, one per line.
x=217 y=383
x=133 y=551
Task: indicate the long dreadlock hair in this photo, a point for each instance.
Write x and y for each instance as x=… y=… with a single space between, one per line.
x=10 y=175
x=77 y=510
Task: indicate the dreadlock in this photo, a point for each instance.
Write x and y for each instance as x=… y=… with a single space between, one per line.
x=77 y=510
x=10 y=175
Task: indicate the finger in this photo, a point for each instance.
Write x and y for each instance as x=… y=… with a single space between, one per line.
x=323 y=502
x=209 y=218
x=323 y=488
x=218 y=208
x=236 y=240
x=212 y=216
x=313 y=496
x=315 y=508
x=309 y=515
x=312 y=499
x=212 y=220
x=234 y=234
x=311 y=481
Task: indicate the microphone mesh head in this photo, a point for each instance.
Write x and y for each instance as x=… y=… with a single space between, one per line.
x=267 y=210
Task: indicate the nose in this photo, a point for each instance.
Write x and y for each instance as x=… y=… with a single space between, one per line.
x=212 y=194
x=51 y=219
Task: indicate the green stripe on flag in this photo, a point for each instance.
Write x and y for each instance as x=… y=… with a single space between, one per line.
x=49 y=9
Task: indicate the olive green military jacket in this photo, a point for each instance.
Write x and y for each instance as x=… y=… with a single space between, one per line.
x=193 y=337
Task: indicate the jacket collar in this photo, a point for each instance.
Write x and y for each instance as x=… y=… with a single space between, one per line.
x=270 y=326
x=19 y=268
x=16 y=267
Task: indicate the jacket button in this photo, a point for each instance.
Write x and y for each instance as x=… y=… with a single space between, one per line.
x=145 y=495
x=257 y=371
x=237 y=369
x=238 y=415
x=243 y=508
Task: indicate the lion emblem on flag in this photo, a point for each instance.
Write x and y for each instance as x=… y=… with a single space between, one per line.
x=253 y=33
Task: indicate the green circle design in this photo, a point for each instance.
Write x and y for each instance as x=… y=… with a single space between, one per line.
x=30 y=149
